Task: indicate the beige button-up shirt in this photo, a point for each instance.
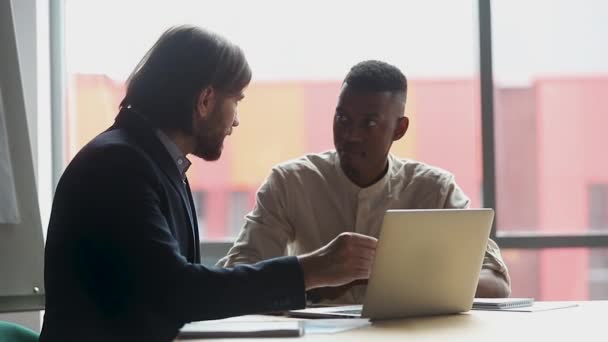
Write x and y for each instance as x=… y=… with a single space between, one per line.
x=307 y=202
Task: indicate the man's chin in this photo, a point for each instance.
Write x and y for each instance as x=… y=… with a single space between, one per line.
x=209 y=154
x=350 y=161
x=211 y=158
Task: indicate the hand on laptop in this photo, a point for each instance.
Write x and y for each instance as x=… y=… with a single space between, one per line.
x=346 y=258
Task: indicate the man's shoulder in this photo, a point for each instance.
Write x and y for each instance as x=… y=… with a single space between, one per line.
x=112 y=151
x=109 y=161
x=319 y=164
x=116 y=137
x=419 y=172
x=112 y=143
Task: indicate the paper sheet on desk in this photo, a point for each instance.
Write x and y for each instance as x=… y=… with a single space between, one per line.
x=536 y=307
x=333 y=325
x=9 y=212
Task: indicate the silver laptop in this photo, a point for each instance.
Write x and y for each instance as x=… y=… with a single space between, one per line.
x=427 y=263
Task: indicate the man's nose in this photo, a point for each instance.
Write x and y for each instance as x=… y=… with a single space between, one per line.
x=353 y=134
x=235 y=122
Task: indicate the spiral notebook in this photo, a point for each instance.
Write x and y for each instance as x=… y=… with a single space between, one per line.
x=501 y=303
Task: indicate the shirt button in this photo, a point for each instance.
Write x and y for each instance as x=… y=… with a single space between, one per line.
x=180 y=162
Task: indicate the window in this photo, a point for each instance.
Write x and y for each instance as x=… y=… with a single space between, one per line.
x=550 y=72
x=598 y=259
x=598 y=274
x=241 y=202
x=598 y=206
x=558 y=274
x=298 y=69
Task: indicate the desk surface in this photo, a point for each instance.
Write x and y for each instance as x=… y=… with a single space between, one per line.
x=586 y=322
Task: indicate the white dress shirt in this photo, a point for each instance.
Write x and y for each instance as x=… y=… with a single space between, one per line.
x=305 y=203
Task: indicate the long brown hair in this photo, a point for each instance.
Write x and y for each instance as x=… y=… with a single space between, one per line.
x=166 y=83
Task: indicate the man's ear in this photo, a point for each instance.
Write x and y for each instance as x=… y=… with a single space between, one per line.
x=402 y=124
x=206 y=101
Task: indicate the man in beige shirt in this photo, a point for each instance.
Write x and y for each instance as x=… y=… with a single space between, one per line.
x=307 y=202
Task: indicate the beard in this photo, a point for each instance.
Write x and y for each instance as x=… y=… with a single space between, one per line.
x=209 y=137
x=208 y=148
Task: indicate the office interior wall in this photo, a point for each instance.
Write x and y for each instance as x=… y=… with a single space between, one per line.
x=26 y=17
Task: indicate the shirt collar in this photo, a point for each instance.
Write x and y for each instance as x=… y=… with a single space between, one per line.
x=181 y=162
x=375 y=188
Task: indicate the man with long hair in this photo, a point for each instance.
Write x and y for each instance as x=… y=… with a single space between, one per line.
x=122 y=259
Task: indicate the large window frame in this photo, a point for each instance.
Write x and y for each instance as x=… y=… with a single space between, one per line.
x=214 y=250
x=510 y=240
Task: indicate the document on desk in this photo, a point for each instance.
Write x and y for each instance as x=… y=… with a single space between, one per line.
x=536 y=307
x=229 y=329
x=334 y=325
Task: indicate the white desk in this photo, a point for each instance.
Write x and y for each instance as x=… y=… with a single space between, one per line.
x=587 y=322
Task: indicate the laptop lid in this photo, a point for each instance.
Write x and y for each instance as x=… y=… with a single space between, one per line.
x=427 y=262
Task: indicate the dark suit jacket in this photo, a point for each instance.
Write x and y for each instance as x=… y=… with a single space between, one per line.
x=122 y=258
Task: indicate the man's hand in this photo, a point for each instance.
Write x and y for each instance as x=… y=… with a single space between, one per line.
x=346 y=258
x=492 y=285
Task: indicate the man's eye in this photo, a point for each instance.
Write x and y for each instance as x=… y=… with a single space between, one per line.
x=371 y=123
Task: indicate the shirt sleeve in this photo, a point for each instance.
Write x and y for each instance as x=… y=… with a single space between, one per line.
x=267 y=229
x=493 y=261
x=454 y=198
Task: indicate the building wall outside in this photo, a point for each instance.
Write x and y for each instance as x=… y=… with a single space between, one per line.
x=548 y=153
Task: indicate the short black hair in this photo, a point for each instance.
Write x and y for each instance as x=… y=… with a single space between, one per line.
x=186 y=59
x=376 y=76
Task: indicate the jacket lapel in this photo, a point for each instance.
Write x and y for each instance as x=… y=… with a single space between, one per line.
x=197 y=253
x=139 y=127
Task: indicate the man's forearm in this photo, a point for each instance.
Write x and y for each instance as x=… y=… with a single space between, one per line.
x=492 y=285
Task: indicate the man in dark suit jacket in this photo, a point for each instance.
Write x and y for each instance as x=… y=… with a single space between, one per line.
x=122 y=253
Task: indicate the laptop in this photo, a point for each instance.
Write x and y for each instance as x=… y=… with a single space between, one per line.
x=427 y=263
